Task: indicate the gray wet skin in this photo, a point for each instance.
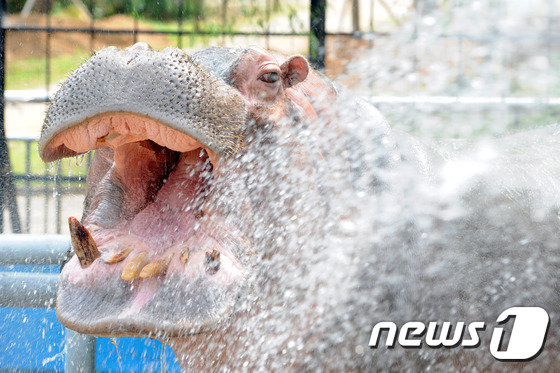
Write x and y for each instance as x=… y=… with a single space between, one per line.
x=416 y=236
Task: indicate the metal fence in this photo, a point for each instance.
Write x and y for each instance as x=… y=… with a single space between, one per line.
x=46 y=184
x=368 y=53
x=38 y=290
x=11 y=183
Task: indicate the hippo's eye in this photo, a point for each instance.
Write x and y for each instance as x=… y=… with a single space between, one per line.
x=269 y=77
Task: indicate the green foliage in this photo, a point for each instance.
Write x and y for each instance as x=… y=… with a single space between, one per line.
x=150 y=9
x=14 y=6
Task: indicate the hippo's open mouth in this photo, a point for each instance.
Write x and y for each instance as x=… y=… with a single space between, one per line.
x=154 y=257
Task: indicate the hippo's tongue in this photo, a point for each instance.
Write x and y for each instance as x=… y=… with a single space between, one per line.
x=161 y=267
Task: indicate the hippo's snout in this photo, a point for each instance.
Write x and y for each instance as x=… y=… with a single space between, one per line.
x=165 y=86
x=157 y=252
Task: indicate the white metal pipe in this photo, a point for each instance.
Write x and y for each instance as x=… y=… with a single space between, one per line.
x=465 y=100
x=40 y=95
x=80 y=352
x=18 y=249
x=28 y=290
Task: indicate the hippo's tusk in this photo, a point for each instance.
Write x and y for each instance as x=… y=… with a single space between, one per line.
x=83 y=243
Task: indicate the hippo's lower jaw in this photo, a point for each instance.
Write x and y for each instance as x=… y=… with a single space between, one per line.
x=153 y=259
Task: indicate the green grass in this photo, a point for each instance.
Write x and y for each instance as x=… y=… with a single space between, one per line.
x=27 y=73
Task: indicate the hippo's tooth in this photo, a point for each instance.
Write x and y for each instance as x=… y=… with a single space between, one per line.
x=132 y=269
x=184 y=255
x=83 y=243
x=212 y=261
x=119 y=256
x=156 y=268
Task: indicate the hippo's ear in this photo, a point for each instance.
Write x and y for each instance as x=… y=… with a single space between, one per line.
x=294 y=70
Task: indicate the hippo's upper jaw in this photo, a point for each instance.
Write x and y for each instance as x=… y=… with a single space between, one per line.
x=165 y=86
x=156 y=255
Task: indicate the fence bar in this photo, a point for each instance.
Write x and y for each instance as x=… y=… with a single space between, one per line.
x=88 y=30
x=91 y=11
x=39 y=96
x=465 y=100
x=27 y=187
x=367 y=35
x=44 y=249
x=80 y=352
x=26 y=95
x=7 y=188
x=46 y=200
x=3 y=143
x=180 y=24
x=43 y=178
x=317 y=50
x=48 y=46
x=58 y=197
x=28 y=290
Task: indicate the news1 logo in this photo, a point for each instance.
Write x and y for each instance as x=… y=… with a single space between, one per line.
x=526 y=340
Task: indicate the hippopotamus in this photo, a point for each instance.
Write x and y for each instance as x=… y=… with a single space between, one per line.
x=246 y=210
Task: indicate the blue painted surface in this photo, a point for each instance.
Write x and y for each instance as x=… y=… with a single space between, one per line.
x=139 y=355
x=30 y=269
x=33 y=340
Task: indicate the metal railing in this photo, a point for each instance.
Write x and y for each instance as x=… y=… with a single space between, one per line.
x=317 y=35
x=38 y=290
x=46 y=182
x=8 y=193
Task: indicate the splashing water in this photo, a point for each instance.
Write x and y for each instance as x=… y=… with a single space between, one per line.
x=80 y=159
x=49 y=167
x=162 y=358
x=114 y=343
x=383 y=227
x=386 y=227
x=52 y=358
